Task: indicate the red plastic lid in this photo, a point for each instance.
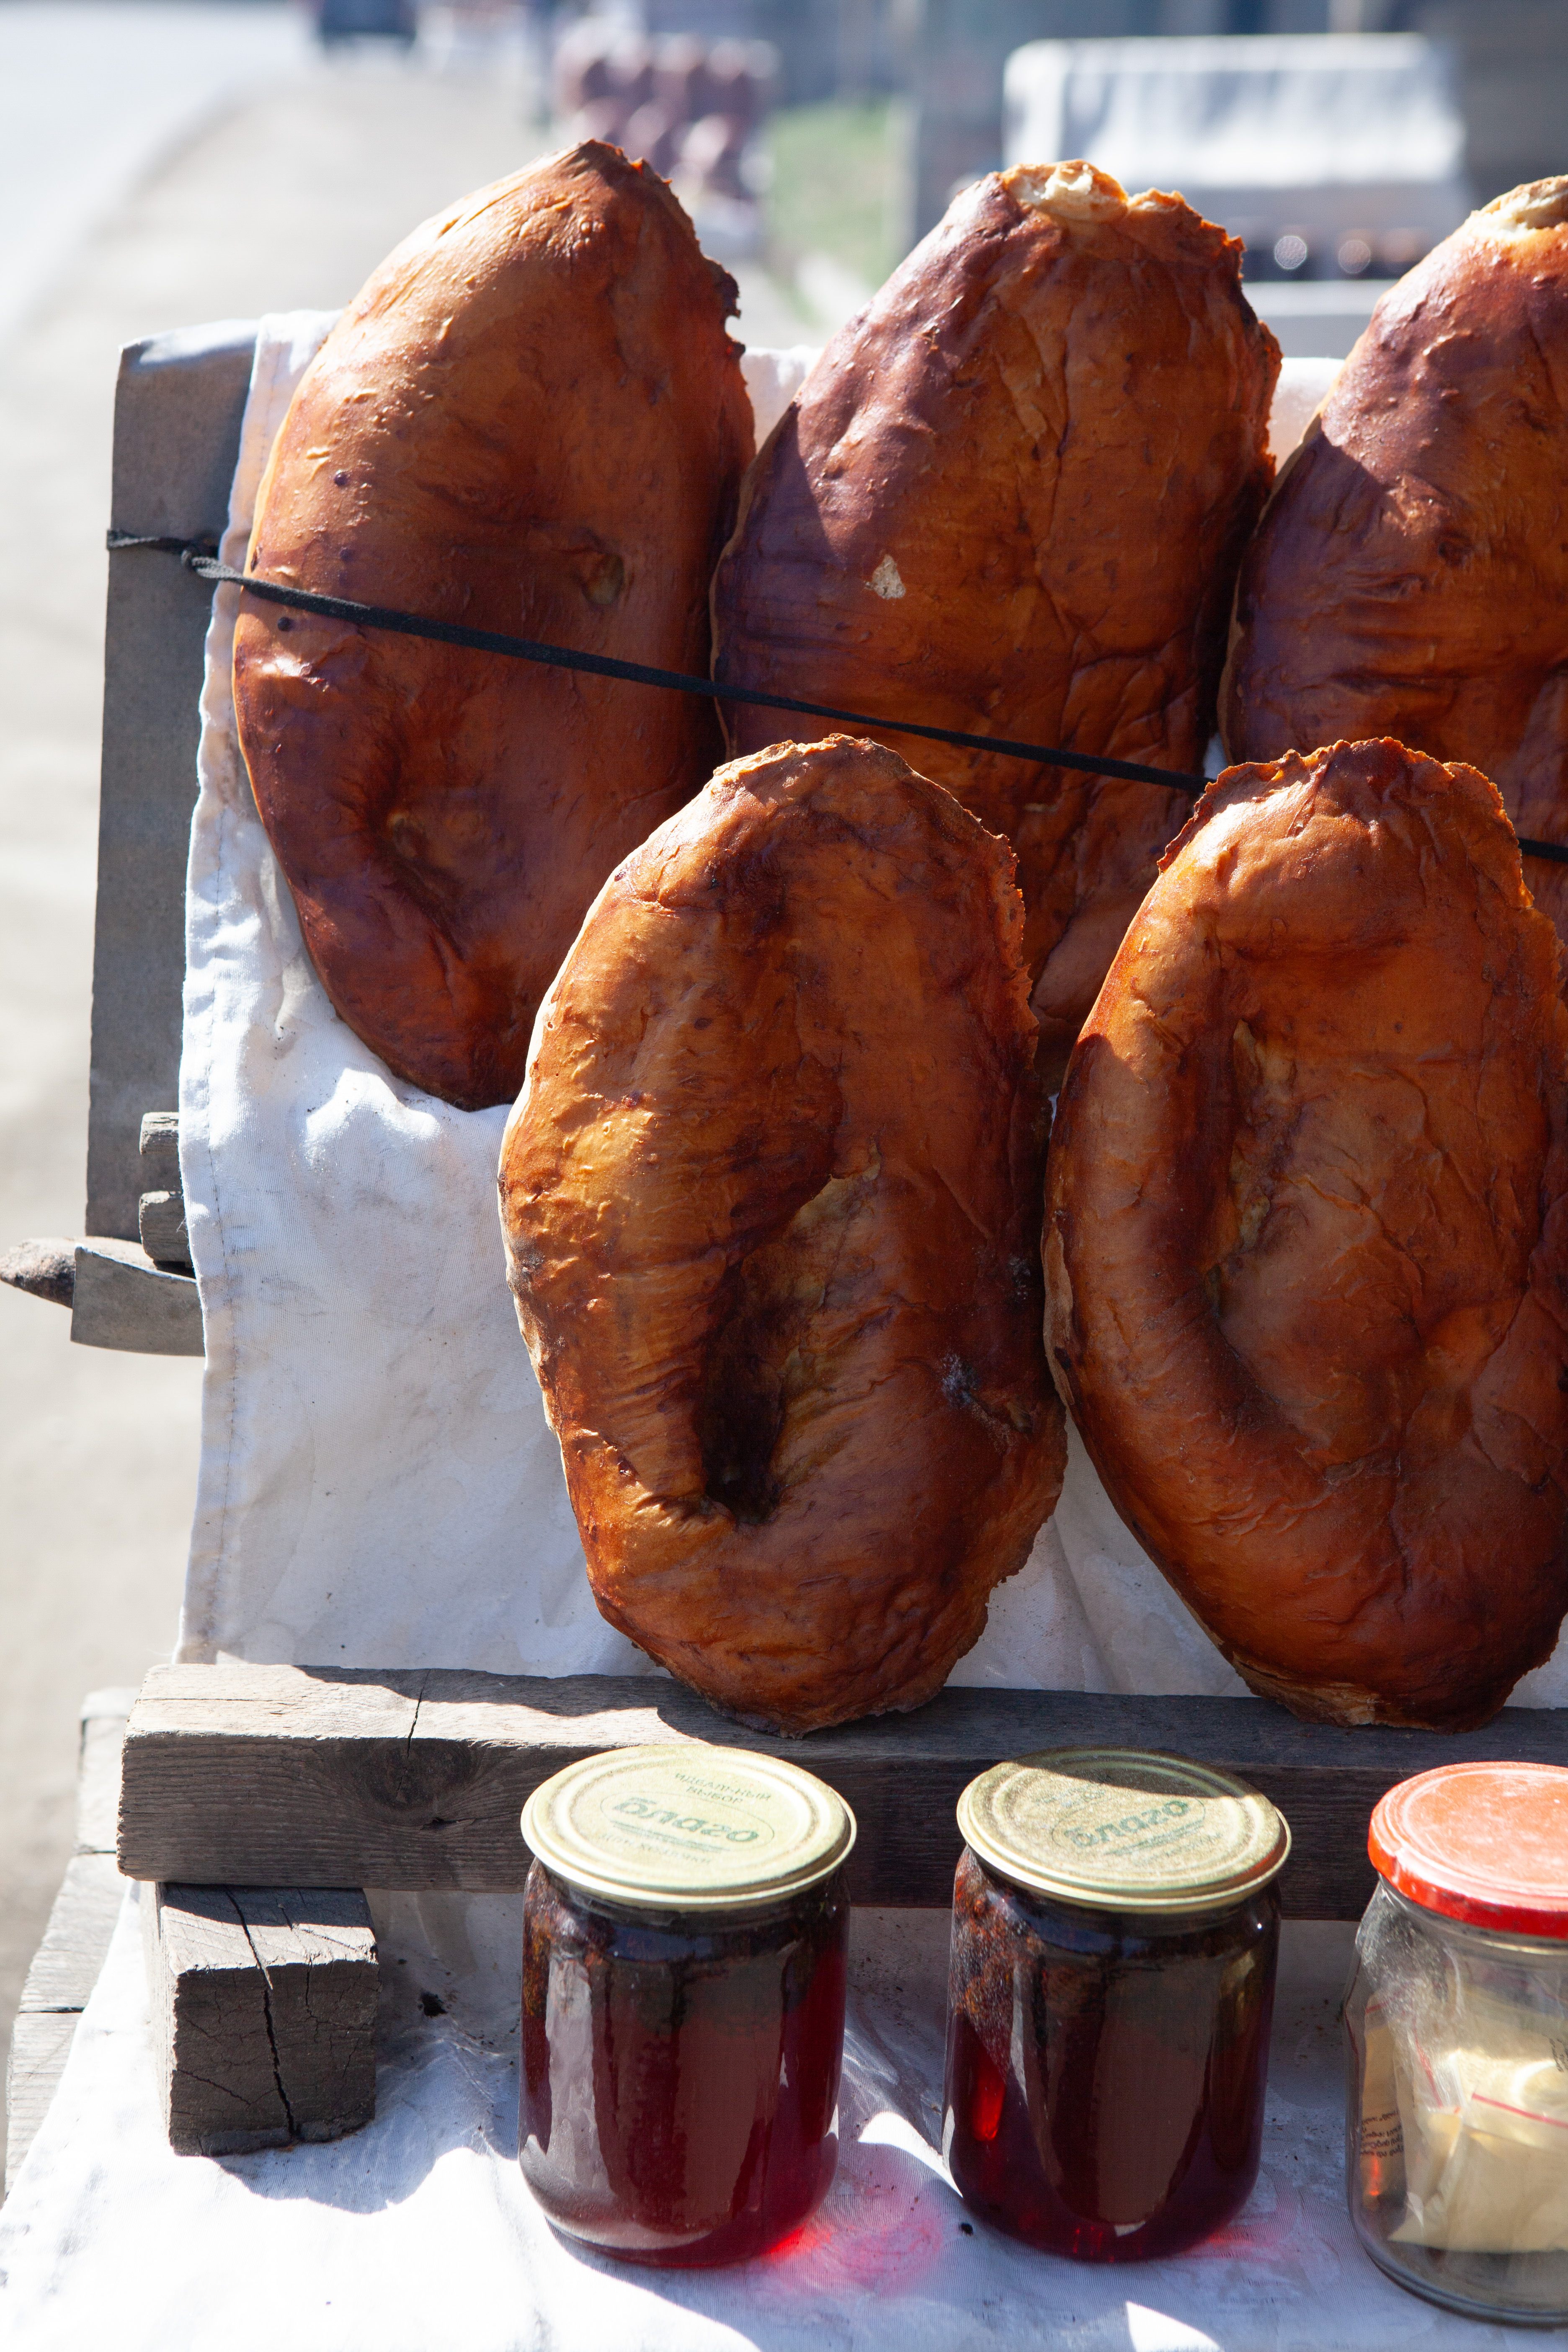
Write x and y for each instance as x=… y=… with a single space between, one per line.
x=1484 y=1842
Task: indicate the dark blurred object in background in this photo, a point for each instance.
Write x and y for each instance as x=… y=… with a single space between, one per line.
x=1512 y=66
x=687 y=106
x=354 y=20
x=921 y=81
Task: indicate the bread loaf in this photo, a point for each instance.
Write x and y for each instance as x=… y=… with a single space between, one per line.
x=1410 y=576
x=1307 y=1243
x=1010 y=499
x=532 y=421
x=772 y=1201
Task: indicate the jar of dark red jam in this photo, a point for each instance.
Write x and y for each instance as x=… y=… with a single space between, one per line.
x=1115 y=1927
x=685 y=1931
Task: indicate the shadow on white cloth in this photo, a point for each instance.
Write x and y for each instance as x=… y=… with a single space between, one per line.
x=418 y=2232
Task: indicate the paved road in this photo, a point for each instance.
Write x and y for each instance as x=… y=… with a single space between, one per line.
x=292 y=199
x=92 y=91
x=288 y=196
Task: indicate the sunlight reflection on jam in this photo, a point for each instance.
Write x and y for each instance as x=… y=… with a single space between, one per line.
x=885 y=2224
x=809 y=2238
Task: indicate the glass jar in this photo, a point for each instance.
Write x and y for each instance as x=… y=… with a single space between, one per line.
x=1115 y=1930
x=1457 y=2042
x=685 y=1932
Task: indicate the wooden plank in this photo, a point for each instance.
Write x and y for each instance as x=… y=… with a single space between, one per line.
x=160 y=1150
x=40 y=2045
x=263 y=2010
x=161 y=1218
x=103 y=1718
x=121 y=1299
x=177 y=412
x=311 y=1776
x=44 y=1269
x=66 y=1964
x=161 y=1211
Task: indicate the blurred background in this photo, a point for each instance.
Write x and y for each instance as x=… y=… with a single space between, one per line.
x=163 y=164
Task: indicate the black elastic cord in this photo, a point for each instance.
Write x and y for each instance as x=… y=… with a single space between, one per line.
x=533 y=649
x=118 y=541
x=199 y=556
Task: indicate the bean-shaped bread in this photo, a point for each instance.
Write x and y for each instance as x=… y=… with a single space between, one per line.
x=1307 y=1239
x=532 y=421
x=1010 y=499
x=772 y=1206
x=1410 y=575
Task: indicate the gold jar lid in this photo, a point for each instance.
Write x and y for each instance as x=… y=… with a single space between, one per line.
x=1121 y=1830
x=688 y=1827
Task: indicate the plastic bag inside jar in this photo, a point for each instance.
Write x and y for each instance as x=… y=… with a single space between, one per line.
x=1464 y=2082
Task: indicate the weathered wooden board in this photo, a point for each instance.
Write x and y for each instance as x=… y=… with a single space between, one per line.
x=318 y=1776
x=161 y=1220
x=103 y=1718
x=160 y=1150
x=177 y=412
x=40 y=2045
x=120 y=1300
x=263 y=2009
x=66 y=1963
x=44 y=1268
x=161 y=1211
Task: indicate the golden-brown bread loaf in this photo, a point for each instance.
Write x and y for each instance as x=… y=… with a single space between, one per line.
x=533 y=420
x=1307 y=1240
x=1010 y=499
x=1410 y=576
x=772 y=1206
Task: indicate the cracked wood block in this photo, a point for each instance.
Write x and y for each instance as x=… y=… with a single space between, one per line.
x=263 y=2003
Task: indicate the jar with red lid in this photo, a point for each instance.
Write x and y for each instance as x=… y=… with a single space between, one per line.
x=1457 y=2033
x=685 y=1938
x=1115 y=1928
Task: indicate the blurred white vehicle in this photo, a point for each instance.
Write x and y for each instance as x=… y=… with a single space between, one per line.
x=1336 y=159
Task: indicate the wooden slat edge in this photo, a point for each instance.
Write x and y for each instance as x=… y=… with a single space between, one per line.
x=266 y=1780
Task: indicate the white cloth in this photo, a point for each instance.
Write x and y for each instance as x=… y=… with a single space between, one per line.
x=417 y=2233
x=1302 y=388
x=378 y=1485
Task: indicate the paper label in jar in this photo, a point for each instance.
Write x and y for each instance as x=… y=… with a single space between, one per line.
x=1382 y=2138
x=1484 y=2123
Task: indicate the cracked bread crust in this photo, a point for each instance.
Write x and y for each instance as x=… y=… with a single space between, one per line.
x=1306 y=1238
x=772 y=1198
x=1410 y=575
x=532 y=420
x=1011 y=497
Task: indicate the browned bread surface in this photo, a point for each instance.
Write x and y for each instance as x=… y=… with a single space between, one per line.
x=1306 y=1238
x=1010 y=499
x=1410 y=576
x=771 y=1205
x=532 y=420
